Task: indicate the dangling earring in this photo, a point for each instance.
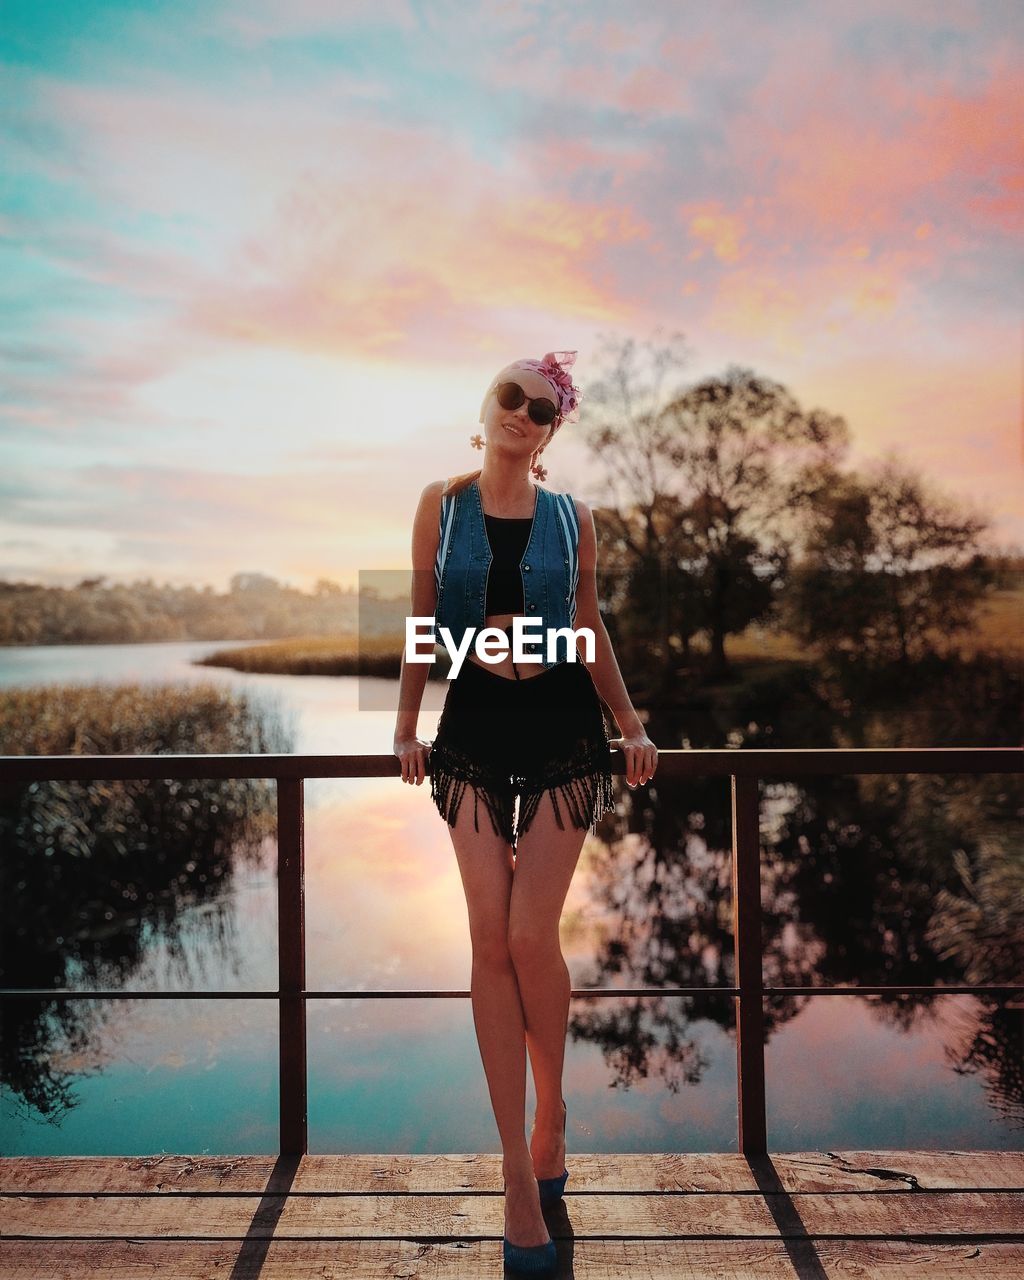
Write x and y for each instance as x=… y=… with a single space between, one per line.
x=539 y=471
x=476 y=441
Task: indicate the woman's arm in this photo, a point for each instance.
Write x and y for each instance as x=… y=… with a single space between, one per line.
x=409 y=748
x=640 y=752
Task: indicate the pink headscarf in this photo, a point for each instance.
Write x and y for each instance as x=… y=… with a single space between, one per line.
x=554 y=367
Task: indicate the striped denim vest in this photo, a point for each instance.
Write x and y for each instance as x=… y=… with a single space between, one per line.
x=549 y=568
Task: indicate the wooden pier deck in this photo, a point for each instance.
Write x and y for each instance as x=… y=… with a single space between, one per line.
x=648 y=1217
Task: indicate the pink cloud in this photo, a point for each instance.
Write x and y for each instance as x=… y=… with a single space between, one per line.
x=796 y=198
x=878 y=161
x=310 y=233
x=653 y=91
x=392 y=261
x=253 y=172
x=563 y=157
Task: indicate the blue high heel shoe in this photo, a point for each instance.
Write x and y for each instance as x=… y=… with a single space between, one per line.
x=530 y=1259
x=552 y=1189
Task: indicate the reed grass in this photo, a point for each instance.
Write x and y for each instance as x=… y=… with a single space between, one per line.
x=108 y=821
x=96 y=871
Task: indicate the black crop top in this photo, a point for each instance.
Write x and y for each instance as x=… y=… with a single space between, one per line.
x=508 y=537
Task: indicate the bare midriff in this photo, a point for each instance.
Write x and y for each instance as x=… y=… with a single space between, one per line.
x=503 y=666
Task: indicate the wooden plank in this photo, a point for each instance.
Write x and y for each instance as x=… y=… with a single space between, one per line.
x=882 y=1171
x=582 y=1259
x=931 y=1170
x=705 y=1214
x=921 y=1213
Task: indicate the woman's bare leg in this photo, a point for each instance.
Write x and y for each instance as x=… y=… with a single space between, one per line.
x=486 y=867
x=546 y=858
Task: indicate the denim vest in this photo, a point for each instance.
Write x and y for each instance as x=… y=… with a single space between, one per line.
x=549 y=568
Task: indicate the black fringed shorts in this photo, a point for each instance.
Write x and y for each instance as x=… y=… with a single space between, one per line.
x=507 y=738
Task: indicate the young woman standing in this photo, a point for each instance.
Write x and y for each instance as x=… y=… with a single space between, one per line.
x=488 y=547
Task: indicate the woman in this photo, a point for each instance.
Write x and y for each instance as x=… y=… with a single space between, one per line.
x=488 y=547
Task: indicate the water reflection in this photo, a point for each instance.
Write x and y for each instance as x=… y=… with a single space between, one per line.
x=871 y=880
x=100 y=877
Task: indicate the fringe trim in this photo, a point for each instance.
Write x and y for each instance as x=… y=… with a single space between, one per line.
x=584 y=786
x=451 y=773
x=586 y=799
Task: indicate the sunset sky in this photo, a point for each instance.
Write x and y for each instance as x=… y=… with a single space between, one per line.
x=258 y=260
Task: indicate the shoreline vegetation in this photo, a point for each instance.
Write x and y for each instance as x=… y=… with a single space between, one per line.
x=998 y=633
x=347 y=654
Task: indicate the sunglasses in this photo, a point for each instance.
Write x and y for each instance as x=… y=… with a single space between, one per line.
x=510 y=395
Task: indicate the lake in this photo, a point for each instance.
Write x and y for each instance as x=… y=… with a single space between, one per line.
x=385 y=910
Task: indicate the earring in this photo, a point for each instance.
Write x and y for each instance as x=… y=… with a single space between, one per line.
x=476 y=441
x=539 y=471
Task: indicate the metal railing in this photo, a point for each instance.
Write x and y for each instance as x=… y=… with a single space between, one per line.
x=745 y=769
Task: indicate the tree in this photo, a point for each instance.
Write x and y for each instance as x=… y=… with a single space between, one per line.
x=649 y=612
x=653 y=612
x=707 y=483
x=894 y=569
x=751 y=460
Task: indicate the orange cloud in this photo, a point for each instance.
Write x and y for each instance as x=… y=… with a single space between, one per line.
x=952 y=409
x=722 y=232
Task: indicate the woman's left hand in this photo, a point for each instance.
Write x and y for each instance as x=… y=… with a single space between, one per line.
x=641 y=757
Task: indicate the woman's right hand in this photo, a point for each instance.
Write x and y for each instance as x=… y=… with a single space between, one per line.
x=413 y=753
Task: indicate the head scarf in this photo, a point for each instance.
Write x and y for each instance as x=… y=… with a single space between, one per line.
x=555 y=368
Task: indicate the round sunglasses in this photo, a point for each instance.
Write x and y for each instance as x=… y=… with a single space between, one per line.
x=510 y=395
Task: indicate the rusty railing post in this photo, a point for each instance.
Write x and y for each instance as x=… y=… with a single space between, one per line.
x=291 y=964
x=749 y=1004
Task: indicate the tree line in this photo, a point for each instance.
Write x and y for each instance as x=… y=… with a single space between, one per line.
x=255 y=607
x=729 y=504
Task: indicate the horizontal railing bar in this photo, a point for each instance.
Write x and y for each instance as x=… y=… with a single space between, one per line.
x=1009 y=989
x=672 y=763
x=63 y=993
